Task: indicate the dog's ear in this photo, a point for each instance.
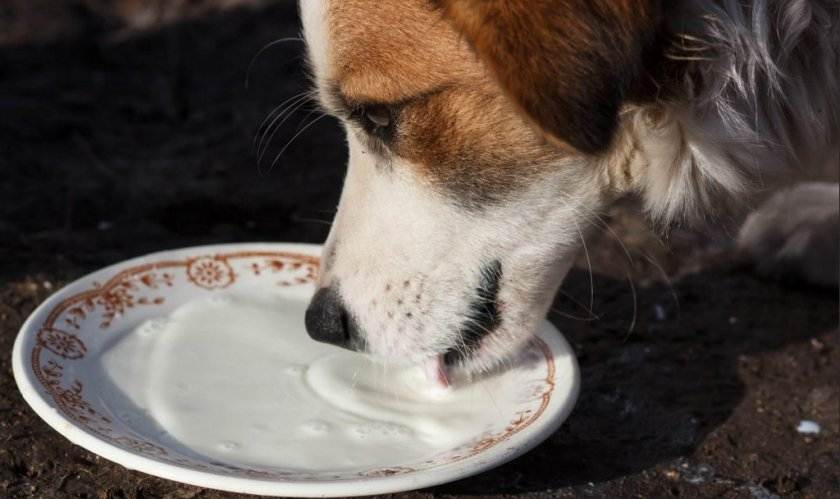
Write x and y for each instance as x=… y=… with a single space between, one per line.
x=567 y=64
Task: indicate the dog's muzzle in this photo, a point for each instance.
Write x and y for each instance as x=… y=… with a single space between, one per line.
x=328 y=321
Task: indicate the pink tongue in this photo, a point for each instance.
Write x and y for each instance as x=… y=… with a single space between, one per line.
x=436 y=371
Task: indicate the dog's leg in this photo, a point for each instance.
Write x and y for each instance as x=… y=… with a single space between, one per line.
x=794 y=234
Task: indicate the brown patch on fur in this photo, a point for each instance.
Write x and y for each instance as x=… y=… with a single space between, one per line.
x=389 y=50
x=471 y=141
x=568 y=64
x=453 y=121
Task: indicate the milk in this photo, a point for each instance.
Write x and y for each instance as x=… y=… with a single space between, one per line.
x=237 y=380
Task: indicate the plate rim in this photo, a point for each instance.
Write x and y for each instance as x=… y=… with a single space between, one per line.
x=69 y=429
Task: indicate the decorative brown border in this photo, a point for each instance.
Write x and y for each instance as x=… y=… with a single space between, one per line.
x=130 y=288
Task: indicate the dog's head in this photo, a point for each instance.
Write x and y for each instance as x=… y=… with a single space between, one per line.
x=483 y=138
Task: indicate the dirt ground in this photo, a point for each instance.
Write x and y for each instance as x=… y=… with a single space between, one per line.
x=696 y=372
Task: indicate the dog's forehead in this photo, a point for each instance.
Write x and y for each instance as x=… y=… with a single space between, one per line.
x=385 y=50
x=457 y=130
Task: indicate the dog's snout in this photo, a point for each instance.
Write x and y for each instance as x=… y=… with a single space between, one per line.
x=328 y=321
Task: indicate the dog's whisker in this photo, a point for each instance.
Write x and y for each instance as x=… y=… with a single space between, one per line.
x=604 y=225
x=665 y=278
x=675 y=57
x=272 y=127
x=504 y=362
x=306 y=116
x=472 y=322
x=290 y=105
x=277 y=109
x=629 y=257
x=589 y=266
x=492 y=400
x=262 y=50
x=592 y=314
x=559 y=312
x=314 y=220
x=632 y=326
x=295 y=136
x=276 y=126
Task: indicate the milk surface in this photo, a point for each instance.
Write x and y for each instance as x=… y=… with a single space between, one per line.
x=237 y=380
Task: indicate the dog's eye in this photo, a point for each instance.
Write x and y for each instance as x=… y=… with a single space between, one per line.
x=375 y=119
x=379 y=116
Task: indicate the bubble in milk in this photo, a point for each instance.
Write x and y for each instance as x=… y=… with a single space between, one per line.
x=360 y=431
x=395 y=430
x=294 y=370
x=316 y=427
x=377 y=429
x=153 y=326
x=229 y=445
x=403 y=431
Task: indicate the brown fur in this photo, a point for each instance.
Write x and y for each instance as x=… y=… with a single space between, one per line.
x=568 y=64
x=494 y=150
x=468 y=79
x=390 y=50
x=454 y=122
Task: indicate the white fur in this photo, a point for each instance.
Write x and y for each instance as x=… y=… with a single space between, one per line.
x=313 y=16
x=763 y=99
x=407 y=260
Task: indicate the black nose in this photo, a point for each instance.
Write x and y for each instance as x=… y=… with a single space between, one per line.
x=328 y=321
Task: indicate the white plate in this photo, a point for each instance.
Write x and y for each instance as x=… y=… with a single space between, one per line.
x=58 y=365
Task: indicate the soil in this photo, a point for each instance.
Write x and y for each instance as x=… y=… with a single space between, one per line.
x=696 y=372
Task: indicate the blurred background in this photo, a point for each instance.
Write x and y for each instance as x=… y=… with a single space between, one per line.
x=130 y=126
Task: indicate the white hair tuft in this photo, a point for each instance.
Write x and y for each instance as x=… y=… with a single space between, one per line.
x=761 y=96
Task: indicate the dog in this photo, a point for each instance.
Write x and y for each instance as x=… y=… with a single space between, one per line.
x=486 y=135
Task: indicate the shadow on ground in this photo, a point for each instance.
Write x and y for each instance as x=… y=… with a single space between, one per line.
x=658 y=393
